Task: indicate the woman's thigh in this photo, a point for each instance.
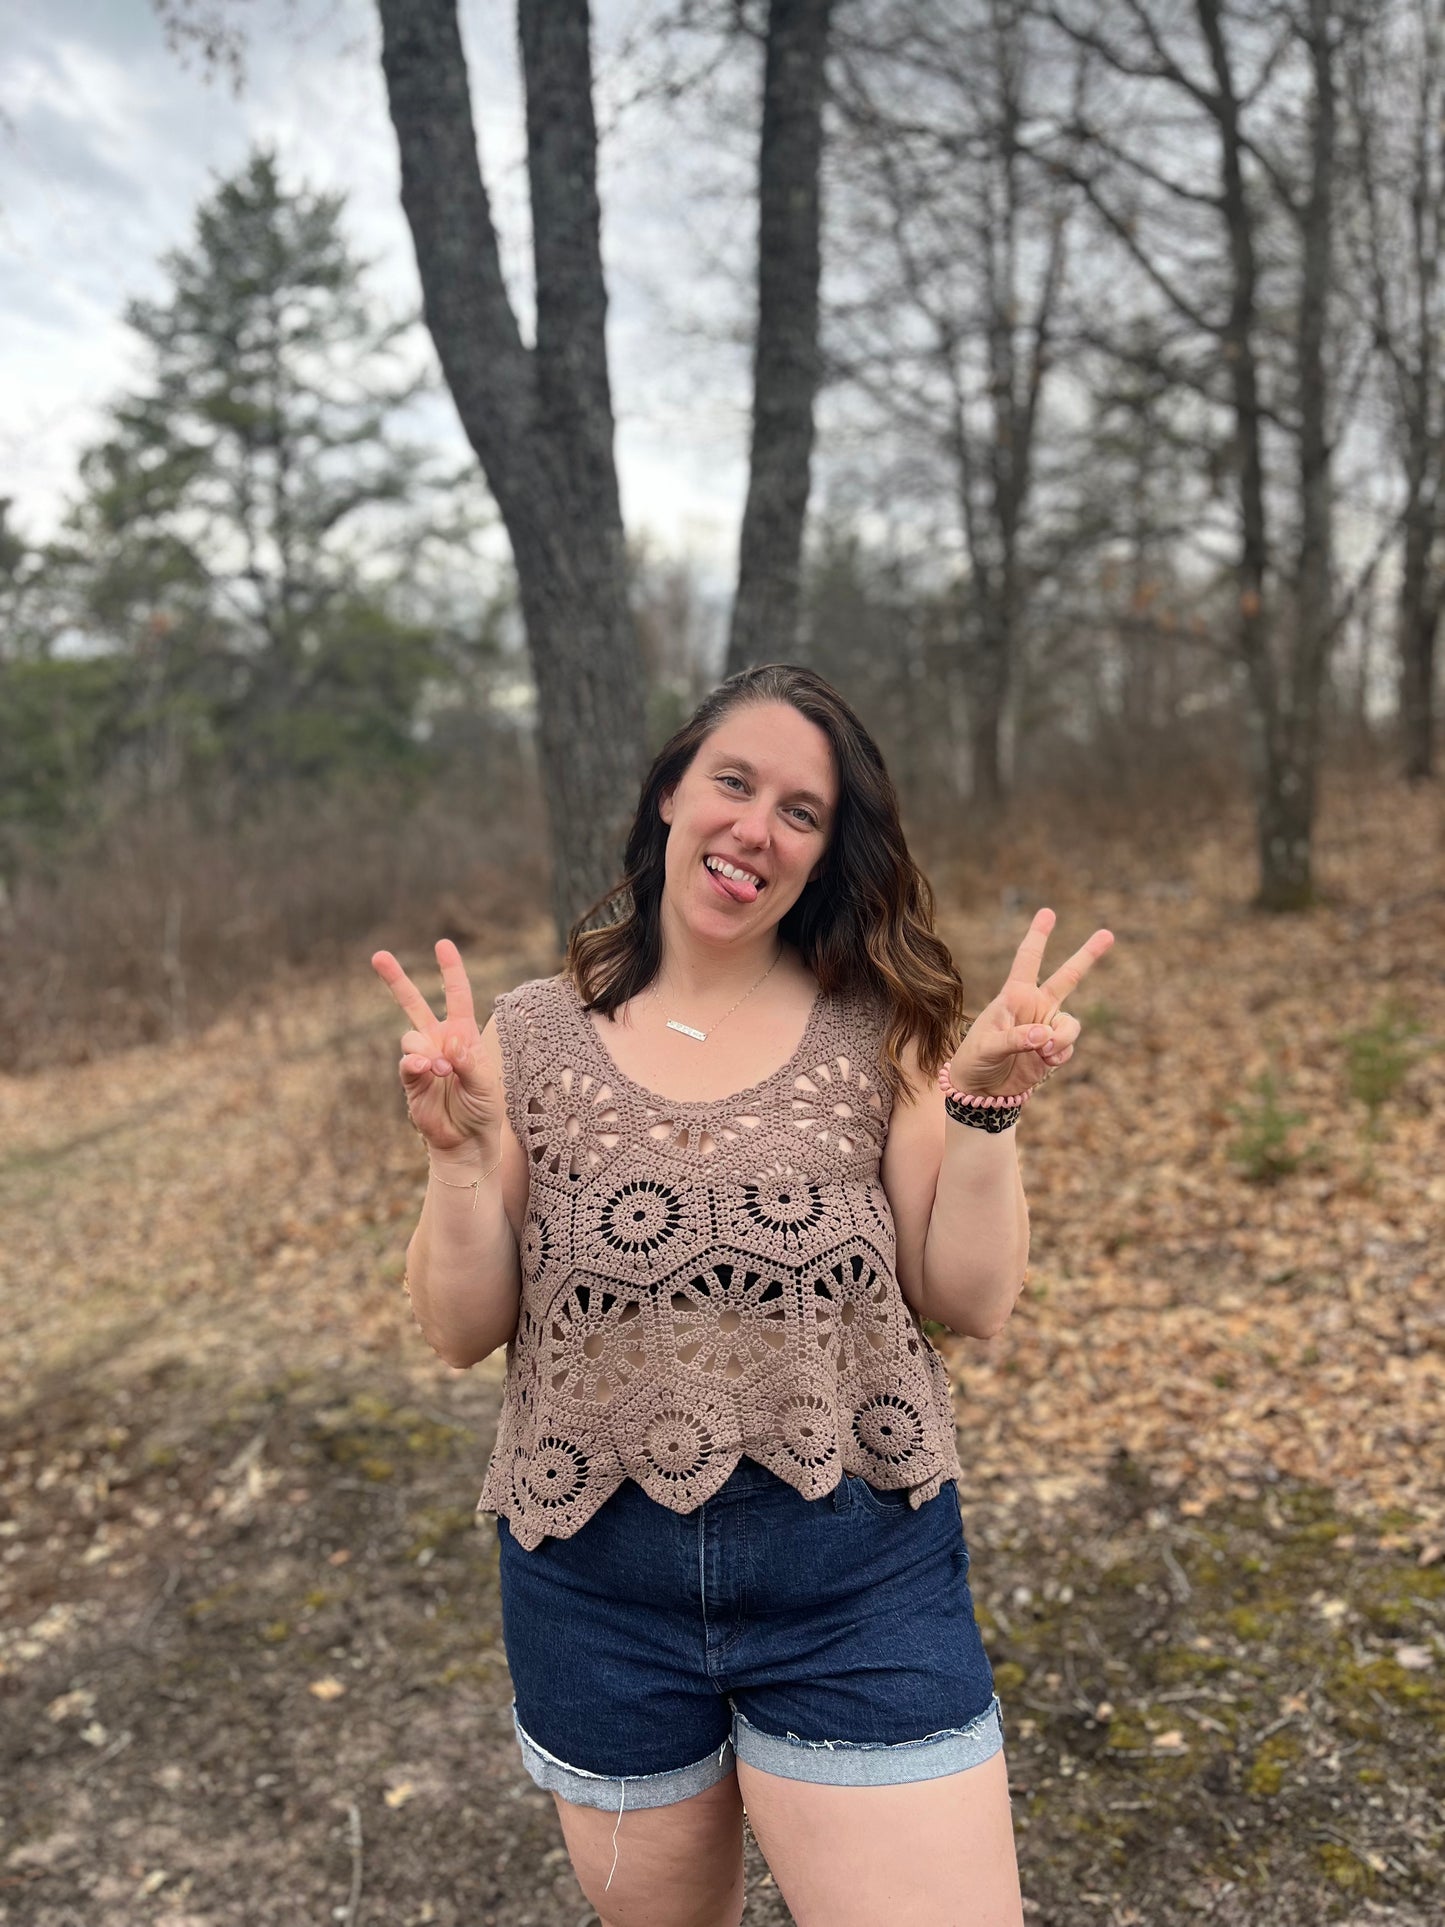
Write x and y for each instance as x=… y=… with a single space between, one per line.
x=926 y=1853
x=674 y=1866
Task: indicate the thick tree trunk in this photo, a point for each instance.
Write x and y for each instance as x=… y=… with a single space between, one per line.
x=1286 y=845
x=786 y=366
x=1283 y=801
x=540 y=421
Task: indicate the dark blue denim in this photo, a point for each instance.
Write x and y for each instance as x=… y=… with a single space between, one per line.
x=828 y=1639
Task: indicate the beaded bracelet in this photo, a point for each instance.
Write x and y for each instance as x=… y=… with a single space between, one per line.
x=986 y=1113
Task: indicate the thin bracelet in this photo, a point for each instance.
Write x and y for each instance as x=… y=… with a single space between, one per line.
x=474 y=1185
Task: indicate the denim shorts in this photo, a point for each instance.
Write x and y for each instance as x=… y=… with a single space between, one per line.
x=828 y=1639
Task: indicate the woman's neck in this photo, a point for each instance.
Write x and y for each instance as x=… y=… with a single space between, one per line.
x=704 y=981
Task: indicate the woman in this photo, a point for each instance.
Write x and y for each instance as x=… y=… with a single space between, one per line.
x=732 y=1560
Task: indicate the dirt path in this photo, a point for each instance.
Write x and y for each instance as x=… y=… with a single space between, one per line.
x=250 y=1656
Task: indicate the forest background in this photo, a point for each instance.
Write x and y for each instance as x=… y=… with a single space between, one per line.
x=1067 y=383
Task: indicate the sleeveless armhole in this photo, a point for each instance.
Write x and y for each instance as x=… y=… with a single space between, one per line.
x=510 y=1011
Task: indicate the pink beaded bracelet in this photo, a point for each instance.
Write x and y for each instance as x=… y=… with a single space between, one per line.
x=983 y=1103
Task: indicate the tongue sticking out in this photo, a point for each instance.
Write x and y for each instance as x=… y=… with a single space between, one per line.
x=737 y=889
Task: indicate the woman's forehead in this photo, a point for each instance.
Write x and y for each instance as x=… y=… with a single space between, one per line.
x=784 y=745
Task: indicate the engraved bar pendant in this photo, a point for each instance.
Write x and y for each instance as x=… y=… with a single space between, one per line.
x=687 y=1030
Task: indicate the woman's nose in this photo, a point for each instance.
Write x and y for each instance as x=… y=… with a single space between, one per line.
x=752 y=828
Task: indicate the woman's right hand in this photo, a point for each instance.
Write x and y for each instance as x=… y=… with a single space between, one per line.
x=452 y=1093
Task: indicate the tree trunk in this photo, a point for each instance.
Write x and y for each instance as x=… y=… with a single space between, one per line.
x=786 y=364
x=988 y=694
x=1285 y=842
x=1282 y=832
x=1418 y=624
x=539 y=420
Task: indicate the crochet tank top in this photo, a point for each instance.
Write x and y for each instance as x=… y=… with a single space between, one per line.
x=704 y=1280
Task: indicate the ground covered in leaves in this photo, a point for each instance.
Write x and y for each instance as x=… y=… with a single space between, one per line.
x=251 y=1668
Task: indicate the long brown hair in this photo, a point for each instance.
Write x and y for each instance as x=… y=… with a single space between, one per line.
x=865 y=922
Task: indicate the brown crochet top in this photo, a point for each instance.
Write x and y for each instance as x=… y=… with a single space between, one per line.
x=705 y=1279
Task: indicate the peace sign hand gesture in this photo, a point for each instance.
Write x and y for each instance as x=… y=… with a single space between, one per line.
x=1022 y=1037
x=452 y=1092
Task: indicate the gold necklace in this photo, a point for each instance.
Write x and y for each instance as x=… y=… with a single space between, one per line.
x=691 y=1030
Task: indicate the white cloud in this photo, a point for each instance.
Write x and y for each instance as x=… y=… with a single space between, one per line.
x=108 y=141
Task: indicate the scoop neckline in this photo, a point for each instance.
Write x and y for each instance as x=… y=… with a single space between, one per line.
x=574 y=998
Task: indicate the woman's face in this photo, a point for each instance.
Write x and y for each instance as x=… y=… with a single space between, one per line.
x=761 y=794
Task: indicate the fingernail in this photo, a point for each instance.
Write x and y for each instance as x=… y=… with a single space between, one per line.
x=1037 y=1034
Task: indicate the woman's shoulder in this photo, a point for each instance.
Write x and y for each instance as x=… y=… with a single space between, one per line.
x=531 y=1008
x=861 y=1002
x=533 y=992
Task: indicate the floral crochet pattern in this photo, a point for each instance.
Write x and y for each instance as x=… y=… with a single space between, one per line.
x=705 y=1279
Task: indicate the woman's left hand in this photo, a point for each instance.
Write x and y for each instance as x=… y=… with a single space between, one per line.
x=1016 y=1041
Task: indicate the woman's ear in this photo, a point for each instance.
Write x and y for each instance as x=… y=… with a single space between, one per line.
x=664 y=807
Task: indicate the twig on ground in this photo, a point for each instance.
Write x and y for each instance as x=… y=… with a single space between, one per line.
x=353 y=1836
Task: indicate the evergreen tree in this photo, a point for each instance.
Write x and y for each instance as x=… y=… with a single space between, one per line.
x=250 y=522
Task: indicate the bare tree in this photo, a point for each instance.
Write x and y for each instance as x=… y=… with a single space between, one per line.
x=539 y=418
x=1229 y=70
x=786 y=358
x=1396 y=86
x=952 y=331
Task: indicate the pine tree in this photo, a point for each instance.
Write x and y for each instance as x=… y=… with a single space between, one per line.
x=249 y=522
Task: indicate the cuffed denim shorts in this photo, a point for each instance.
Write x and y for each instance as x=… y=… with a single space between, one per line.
x=828 y=1639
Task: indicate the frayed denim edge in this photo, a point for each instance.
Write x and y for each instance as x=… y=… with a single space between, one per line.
x=855 y=1763
x=609 y=1793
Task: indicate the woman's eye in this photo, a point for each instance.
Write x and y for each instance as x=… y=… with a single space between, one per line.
x=807 y=815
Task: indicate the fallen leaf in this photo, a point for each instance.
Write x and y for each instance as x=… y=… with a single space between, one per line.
x=397 y=1796
x=326 y=1689
x=80 y=1701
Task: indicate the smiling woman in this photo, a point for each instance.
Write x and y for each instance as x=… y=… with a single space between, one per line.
x=726 y=1443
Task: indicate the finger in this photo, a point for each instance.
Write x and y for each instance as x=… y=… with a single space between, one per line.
x=416 y=1072
x=469 y=1068
x=403 y=989
x=1073 y=971
x=421 y=1043
x=1013 y=1040
x=1065 y=1029
x=1029 y=957
x=455 y=983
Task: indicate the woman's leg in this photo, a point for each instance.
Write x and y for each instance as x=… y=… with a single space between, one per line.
x=924 y=1853
x=675 y=1866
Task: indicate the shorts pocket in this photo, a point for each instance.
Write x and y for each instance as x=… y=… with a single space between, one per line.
x=872 y=1498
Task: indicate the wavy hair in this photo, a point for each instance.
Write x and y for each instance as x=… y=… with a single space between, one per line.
x=864 y=923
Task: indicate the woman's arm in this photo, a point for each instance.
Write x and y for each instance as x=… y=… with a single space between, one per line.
x=959 y=1211
x=463 y=1269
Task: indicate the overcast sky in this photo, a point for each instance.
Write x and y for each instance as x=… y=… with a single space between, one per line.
x=108 y=140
